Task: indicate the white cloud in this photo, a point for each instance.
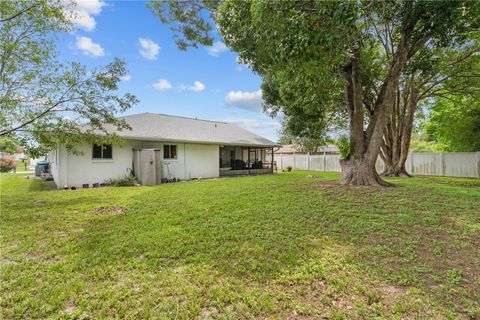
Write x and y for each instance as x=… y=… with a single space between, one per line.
x=251 y=101
x=88 y=47
x=197 y=87
x=217 y=48
x=126 y=77
x=148 y=49
x=162 y=84
x=81 y=13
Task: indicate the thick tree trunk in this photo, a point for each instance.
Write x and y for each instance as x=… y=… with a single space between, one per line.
x=358 y=172
x=396 y=170
x=359 y=167
x=398 y=131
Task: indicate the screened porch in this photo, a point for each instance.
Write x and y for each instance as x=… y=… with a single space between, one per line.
x=241 y=160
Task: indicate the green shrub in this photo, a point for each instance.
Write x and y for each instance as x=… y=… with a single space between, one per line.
x=127 y=180
x=7 y=164
x=344 y=147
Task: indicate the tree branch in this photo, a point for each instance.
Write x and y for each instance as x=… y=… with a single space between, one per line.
x=19 y=13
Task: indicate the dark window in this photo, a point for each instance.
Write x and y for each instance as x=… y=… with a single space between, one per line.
x=103 y=151
x=107 y=151
x=97 y=151
x=169 y=151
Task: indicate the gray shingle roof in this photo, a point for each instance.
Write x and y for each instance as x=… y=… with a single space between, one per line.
x=161 y=127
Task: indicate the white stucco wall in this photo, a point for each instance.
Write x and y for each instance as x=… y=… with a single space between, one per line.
x=76 y=169
x=193 y=161
x=53 y=162
x=201 y=161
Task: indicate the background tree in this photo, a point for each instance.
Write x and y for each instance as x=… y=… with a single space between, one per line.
x=317 y=50
x=8 y=145
x=451 y=72
x=46 y=102
x=309 y=131
x=303 y=143
x=455 y=123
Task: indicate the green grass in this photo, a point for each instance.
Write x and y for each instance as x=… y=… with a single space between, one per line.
x=281 y=246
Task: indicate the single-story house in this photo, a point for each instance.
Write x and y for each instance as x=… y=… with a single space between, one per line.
x=18 y=155
x=163 y=147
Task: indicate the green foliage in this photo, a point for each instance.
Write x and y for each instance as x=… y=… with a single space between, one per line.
x=7 y=164
x=344 y=146
x=187 y=18
x=303 y=49
x=420 y=140
x=454 y=276
x=455 y=124
x=8 y=144
x=288 y=53
x=127 y=180
x=43 y=101
x=305 y=143
x=419 y=145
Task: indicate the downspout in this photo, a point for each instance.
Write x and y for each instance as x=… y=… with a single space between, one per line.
x=273 y=158
x=248 y=152
x=66 y=166
x=59 y=181
x=184 y=163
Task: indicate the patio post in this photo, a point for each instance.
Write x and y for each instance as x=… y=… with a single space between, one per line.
x=271 y=163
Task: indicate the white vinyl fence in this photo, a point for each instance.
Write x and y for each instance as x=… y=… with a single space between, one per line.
x=450 y=164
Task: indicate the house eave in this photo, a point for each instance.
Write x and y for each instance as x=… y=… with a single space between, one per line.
x=240 y=144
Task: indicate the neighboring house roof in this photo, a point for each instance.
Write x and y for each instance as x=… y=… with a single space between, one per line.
x=288 y=148
x=161 y=127
x=328 y=149
x=292 y=148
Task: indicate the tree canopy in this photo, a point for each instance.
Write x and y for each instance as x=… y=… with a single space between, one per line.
x=455 y=124
x=320 y=58
x=42 y=100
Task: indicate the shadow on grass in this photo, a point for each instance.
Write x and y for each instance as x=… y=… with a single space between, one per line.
x=38 y=185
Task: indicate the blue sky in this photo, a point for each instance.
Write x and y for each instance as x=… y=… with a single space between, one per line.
x=206 y=82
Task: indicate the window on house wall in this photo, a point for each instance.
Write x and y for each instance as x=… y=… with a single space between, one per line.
x=169 y=151
x=102 y=151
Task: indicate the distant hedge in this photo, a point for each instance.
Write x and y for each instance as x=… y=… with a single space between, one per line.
x=7 y=164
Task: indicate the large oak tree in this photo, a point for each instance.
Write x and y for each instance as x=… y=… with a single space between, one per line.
x=314 y=50
x=447 y=73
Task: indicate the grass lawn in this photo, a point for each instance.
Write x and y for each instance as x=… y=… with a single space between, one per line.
x=279 y=247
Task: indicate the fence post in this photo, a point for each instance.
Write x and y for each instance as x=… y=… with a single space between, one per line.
x=308 y=161
x=478 y=164
x=442 y=164
x=411 y=163
x=294 y=166
x=324 y=161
